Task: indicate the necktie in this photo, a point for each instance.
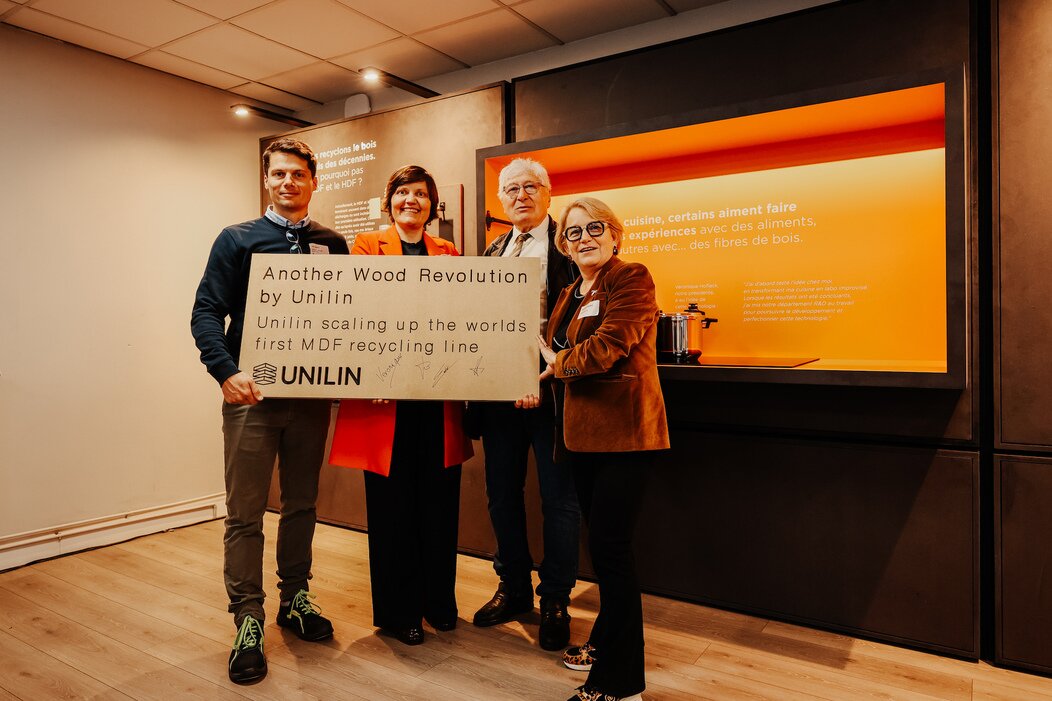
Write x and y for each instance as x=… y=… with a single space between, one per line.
x=520 y=241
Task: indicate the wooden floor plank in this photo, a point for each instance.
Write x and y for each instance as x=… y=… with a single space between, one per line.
x=496 y=681
x=91 y=610
x=208 y=659
x=993 y=676
x=147 y=619
x=208 y=619
x=821 y=682
x=706 y=683
x=28 y=673
x=344 y=668
x=983 y=690
x=894 y=673
x=112 y=663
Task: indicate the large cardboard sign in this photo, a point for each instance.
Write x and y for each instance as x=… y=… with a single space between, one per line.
x=393 y=327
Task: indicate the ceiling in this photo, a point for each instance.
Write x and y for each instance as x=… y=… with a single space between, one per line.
x=298 y=54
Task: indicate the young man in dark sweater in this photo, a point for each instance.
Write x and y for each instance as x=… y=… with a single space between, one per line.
x=256 y=431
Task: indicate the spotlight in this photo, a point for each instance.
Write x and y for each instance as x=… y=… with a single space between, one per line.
x=375 y=75
x=243 y=110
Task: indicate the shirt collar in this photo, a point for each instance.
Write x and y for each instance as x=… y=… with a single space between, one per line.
x=282 y=221
x=539 y=232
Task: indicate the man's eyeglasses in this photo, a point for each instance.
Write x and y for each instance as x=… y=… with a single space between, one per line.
x=293 y=238
x=595 y=229
x=530 y=189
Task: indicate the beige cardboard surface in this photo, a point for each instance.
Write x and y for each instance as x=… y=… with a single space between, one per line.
x=394 y=327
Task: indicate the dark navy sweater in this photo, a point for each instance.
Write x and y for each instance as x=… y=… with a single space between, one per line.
x=224 y=286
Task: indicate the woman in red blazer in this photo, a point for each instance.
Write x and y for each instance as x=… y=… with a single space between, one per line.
x=601 y=342
x=411 y=452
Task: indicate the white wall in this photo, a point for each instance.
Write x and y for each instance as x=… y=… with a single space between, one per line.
x=115 y=181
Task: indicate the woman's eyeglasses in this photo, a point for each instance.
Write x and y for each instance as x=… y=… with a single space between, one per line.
x=293 y=238
x=595 y=229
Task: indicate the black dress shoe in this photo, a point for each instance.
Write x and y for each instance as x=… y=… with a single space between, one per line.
x=555 y=624
x=441 y=624
x=503 y=607
x=409 y=636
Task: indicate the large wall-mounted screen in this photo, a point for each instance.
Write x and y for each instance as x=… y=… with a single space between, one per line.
x=817 y=234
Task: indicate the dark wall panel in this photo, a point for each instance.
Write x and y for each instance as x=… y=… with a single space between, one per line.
x=826 y=46
x=1023 y=323
x=1023 y=520
x=869 y=539
x=819 y=48
x=760 y=505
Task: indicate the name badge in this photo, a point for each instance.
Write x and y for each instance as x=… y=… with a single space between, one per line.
x=317 y=249
x=590 y=309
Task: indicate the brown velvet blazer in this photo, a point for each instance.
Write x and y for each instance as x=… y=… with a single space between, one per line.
x=613 y=400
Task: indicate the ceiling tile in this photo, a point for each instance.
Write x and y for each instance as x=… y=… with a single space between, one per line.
x=320 y=81
x=273 y=96
x=6 y=5
x=404 y=57
x=335 y=29
x=421 y=15
x=188 y=69
x=224 y=9
x=149 y=22
x=239 y=52
x=74 y=33
x=486 y=38
x=584 y=18
x=688 y=5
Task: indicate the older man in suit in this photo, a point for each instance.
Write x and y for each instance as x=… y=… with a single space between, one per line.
x=508 y=434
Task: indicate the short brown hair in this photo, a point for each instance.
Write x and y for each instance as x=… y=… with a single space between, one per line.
x=411 y=174
x=294 y=147
x=599 y=211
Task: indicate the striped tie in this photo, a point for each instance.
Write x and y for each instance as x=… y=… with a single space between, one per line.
x=520 y=241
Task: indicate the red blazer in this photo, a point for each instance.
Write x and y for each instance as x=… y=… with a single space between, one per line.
x=364 y=432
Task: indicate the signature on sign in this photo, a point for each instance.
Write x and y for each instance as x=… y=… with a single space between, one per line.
x=388 y=372
x=442 y=373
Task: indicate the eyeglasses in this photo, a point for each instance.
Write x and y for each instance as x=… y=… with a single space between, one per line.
x=293 y=238
x=595 y=229
x=530 y=189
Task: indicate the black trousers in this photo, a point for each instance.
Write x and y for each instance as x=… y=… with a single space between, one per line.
x=507 y=436
x=610 y=490
x=413 y=516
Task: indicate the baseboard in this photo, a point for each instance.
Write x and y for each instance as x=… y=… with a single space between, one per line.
x=23 y=548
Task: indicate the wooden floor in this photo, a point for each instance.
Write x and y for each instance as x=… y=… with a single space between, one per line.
x=147 y=620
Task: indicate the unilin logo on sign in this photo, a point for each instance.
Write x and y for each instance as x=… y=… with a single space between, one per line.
x=265 y=374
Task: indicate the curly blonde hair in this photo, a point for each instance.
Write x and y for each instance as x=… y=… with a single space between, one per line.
x=597 y=210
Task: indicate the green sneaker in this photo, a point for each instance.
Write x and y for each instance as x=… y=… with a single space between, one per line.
x=303 y=617
x=247 y=662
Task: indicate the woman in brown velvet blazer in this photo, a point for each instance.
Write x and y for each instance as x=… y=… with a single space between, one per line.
x=601 y=342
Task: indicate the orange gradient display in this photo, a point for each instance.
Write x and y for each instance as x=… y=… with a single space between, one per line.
x=811 y=232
